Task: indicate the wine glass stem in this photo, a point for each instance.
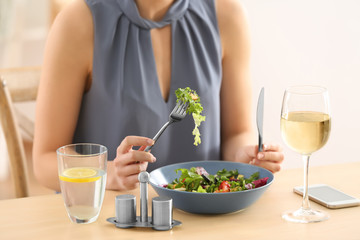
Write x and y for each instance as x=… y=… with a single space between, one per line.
x=305 y=202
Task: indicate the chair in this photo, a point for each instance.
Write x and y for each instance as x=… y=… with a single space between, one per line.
x=17 y=85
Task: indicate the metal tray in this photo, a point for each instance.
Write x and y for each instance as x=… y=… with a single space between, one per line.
x=147 y=224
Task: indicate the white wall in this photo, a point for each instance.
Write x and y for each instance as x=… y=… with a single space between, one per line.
x=23 y=29
x=309 y=42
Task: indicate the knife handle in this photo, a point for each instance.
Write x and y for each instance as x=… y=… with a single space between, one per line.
x=260 y=149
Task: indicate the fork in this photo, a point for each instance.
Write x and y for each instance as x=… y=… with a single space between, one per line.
x=176 y=115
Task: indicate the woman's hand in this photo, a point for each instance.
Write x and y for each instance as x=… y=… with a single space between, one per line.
x=123 y=171
x=270 y=158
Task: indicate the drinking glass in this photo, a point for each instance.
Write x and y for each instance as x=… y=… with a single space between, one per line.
x=305 y=127
x=82 y=175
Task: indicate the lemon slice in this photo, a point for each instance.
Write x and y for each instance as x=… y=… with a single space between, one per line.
x=79 y=175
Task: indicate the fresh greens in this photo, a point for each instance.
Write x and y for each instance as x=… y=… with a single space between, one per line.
x=196 y=179
x=190 y=96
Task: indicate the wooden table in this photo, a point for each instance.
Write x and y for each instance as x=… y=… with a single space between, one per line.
x=44 y=217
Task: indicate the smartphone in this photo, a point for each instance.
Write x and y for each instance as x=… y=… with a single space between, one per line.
x=329 y=196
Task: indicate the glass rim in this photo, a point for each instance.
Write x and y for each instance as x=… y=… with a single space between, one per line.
x=102 y=149
x=306 y=89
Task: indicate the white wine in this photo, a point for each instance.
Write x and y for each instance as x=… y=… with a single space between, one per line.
x=304 y=131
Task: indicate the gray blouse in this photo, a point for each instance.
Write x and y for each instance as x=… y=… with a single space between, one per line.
x=125 y=97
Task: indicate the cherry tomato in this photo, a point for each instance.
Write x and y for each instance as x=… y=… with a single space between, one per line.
x=224 y=186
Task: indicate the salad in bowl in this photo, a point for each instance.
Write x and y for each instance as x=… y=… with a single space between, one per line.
x=229 y=187
x=197 y=179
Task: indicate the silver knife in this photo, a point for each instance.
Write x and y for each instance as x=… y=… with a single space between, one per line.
x=260 y=118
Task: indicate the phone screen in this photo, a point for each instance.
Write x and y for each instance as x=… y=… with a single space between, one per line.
x=328 y=194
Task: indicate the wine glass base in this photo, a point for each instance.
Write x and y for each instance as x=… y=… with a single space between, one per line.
x=305 y=216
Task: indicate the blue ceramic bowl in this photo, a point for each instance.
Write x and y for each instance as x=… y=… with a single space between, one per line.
x=209 y=203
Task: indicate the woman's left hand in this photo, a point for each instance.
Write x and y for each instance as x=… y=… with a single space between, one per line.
x=270 y=158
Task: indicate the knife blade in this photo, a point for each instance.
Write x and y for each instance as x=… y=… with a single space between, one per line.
x=260 y=118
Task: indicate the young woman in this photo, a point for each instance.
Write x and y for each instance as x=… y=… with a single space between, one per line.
x=109 y=76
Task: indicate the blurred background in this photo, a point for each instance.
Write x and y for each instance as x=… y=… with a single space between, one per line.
x=24 y=25
x=313 y=42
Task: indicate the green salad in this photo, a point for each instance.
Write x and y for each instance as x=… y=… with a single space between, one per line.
x=190 y=96
x=196 y=179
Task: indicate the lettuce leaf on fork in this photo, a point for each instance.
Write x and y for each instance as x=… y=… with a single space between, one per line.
x=190 y=96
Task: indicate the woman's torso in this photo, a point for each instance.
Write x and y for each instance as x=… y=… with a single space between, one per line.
x=132 y=93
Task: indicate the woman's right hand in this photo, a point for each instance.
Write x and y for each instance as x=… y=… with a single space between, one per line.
x=124 y=169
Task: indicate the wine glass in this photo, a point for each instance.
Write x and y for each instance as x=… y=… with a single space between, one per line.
x=305 y=127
